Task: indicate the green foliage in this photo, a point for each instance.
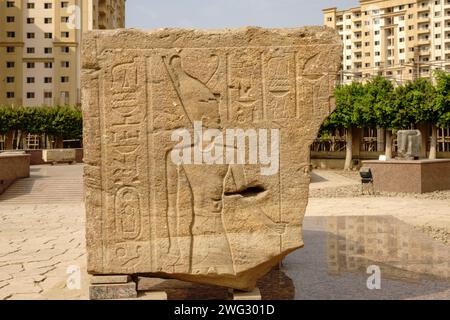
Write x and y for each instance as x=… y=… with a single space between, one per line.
x=443 y=98
x=64 y=122
x=378 y=109
x=348 y=107
x=378 y=104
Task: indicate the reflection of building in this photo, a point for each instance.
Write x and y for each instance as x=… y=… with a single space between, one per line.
x=40 y=47
x=398 y=39
x=354 y=243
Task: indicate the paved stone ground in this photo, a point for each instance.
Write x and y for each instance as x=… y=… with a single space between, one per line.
x=42 y=227
x=42 y=234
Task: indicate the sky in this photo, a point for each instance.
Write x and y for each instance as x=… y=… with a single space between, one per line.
x=210 y=14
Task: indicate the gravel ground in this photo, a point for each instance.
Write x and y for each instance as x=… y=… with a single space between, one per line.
x=355 y=190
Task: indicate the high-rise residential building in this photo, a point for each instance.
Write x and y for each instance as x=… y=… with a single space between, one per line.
x=40 y=47
x=398 y=39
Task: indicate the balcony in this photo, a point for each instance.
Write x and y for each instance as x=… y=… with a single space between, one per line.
x=423 y=41
x=423 y=19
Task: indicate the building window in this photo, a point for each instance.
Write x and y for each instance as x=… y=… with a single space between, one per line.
x=64 y=97
x=64 y=19
x=48 y=95
x=9 y=4
x=48 y=80
x=30 y=95
x=10 y=34
x=30 y=35
x=30 y=65
x=30 y=5
x=10 y=64
x=30 y=79
x=9 y=95
x=30 y=50
x=65 y=49
x=10 y=49
x=64 y=34
x=65 y=64
x=48 y=50
x=64 y=79
x=48 y=20
x=64 y=4
x=47 y=5
x=48 y=65
x=48 y=35
x=9 y=79
x=30 y=20
x=10 y=19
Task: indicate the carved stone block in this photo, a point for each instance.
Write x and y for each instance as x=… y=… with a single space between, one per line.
x=197 y=148
x=58 y=155
x=110 y=279
x=409 y=144
x=113 y=291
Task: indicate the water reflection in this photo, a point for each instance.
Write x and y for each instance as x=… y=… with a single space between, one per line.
x=338 y=250
x=333 y=264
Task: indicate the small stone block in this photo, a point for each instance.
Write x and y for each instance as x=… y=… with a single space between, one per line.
x=110 y=279
x=241 y=295
x=154 y=295
x=113 y=291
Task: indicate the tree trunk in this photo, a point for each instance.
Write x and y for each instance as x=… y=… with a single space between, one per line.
x=19 y=139
x=59 y=142
x=9 y=142
x=349 y=149
x=433 y=144
x=388 y=144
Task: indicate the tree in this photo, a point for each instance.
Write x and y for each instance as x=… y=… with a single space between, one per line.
x=59 y=122
x=347 y=114
x=379 y=109
x=443 y=98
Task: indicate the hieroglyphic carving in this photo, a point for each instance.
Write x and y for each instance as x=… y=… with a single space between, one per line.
x=316 y=83
x=219 y=224
x=125 y=159
x=279 y=75
x=245 y=101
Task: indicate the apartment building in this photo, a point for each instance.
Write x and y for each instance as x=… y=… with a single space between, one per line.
x=40 y=47
x=398 y=39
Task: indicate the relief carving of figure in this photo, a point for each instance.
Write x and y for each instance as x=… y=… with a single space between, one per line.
x=210 y=251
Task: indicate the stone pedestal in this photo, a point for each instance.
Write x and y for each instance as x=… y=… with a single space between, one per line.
x=13 y=166
x=112 y=287
x=55 y=156
x=412 y=176
x=242 y=295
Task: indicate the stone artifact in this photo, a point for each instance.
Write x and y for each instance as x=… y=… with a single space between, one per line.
x=197 y=148
x=409 y=143
x=59 y=155
x=13 y=166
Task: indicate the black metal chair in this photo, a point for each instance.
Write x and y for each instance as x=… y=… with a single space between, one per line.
x=366 y=179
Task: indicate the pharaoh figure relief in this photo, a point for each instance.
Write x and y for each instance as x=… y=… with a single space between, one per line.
x=222 y=222
x=210 y=251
